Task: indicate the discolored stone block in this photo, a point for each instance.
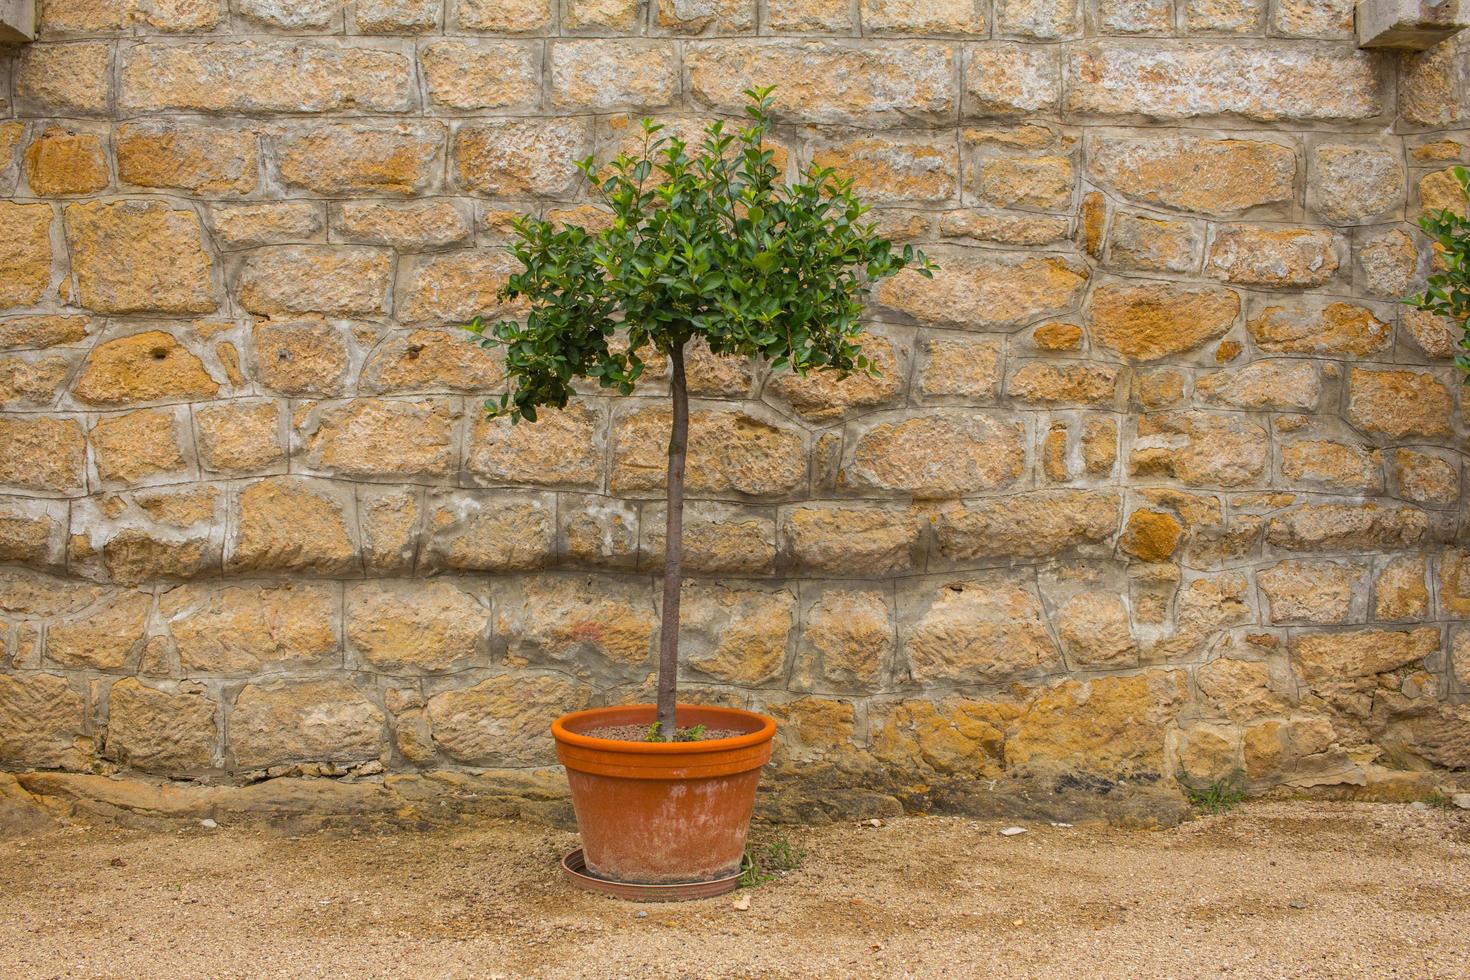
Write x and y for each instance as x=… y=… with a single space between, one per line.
x=1337 y=328
x=846 y=642
x=1399 y=403
x=73 y=79
x=1216 y=177
x=1275 y=258
x=852 y=540
x=504 y=720
x=343 y=280
x=929 y=18
x=1310 y=591
x=960 y=368
x=704 y=16
x=1152 y=321
x=410 y=227
x=1426 y=479
x=908 y=169
x=1008 y=80
x=1037 y=524
x=736 y=635
x=62 y=162
x=1279 y=385
x=1200 y=448
x=238 y=226
x=564 y=448
x=1041 y=20
x=488 y=532
x=453 y=287
x=430 y=360
x=344 y=159
x=1331 y=465
x=396 y=16
x=827 y=395
x=503 y=16
x=108 y=637
x=730 y=452
x=1116 y=723
x=281 y=722
x=719 y=539
x=1355 y=182
x=1339 y=527
x=1399 y=591
x=239 y=437
x=955 y=736
x=194 y=158
x=1077 y=383
x=301 y=357
x=249 y=629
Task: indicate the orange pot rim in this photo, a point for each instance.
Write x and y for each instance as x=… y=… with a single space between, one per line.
x=566 y=736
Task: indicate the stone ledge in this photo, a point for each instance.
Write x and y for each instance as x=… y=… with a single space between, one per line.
x=17 y=21
x=1409 y=25
x=32 y=802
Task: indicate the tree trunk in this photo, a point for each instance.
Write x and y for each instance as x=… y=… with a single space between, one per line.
x=668 y=655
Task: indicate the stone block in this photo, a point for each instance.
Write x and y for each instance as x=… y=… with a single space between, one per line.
x=172 y=733
x=409 y=627
x=135 y=256
x=943 y=453
x=265 y=75
x=827 y=82
x=199 y=159
x=283 y=722
x=973 y=632
x=343 y=281
x=1176 y=80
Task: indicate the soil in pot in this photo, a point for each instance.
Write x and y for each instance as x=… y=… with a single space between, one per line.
x=639 y=733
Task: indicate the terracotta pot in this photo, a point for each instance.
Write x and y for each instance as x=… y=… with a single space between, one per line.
x=663 y=812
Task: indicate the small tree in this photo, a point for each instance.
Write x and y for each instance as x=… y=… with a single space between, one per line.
x=1447 y=292
x=711 y=245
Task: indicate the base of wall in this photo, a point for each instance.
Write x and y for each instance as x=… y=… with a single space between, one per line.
x=34 y=801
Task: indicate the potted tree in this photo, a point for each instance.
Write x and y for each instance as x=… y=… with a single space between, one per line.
x=703 y=242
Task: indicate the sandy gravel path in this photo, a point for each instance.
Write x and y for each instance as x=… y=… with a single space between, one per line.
x=1273 y=889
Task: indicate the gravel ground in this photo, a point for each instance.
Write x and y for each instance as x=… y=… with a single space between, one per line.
x=1272 y=889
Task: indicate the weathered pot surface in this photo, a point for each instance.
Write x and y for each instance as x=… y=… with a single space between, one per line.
x=663 y=812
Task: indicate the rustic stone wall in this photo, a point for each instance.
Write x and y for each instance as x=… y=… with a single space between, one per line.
x=1157 y=478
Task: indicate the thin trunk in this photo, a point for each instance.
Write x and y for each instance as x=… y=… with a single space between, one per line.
x=668 y=655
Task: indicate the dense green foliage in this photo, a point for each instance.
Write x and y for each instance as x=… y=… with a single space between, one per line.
x=707 y=244
x=1447 y=293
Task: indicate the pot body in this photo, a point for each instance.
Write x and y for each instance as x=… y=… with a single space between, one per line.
x=663 y=812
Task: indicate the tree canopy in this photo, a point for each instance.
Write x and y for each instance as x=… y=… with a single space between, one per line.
x=710 y=243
